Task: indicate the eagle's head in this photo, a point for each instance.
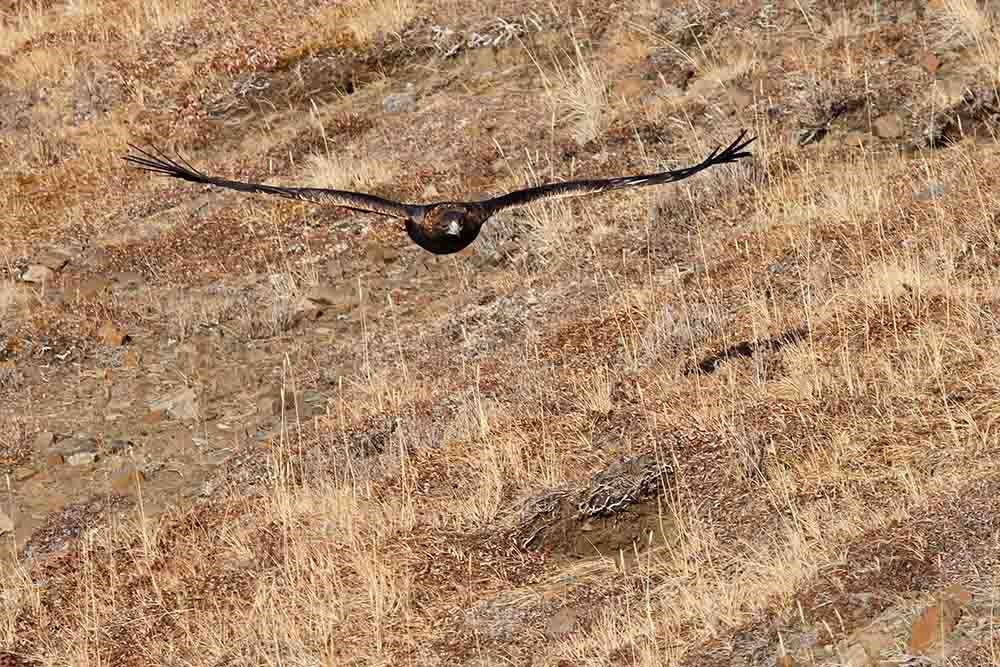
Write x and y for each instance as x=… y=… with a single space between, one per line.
x=452 y=222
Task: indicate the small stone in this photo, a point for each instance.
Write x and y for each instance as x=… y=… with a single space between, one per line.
x=889 y=126
x=562 y=622
x=153 y=417
x=740 y=98
x=938 y=620
x=339 y=299
x=131 y=359
x=53 y=259
x=112 y=334
x=933 y=191
x=932 y=63
x=182 y=404
x=630 y=89
x=399 y=102
x=36 y=273
x=128 y=280
x=126 y=481
x=855 y=656
x=91 y=288
x=43 y=441
x=82 y=458
x=6 y=524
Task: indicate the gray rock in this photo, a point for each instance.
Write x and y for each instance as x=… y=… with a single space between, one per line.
x=933 y=191
x=43 y=441
x=399 y=102
x=889 y=126
x=36 y=273
x=82 y=457
x=182 y=404
x=53 y=259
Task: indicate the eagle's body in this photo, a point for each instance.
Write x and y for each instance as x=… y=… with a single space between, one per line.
x=442 y=228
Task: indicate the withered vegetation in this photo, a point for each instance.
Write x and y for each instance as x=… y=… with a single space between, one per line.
x=747 y=416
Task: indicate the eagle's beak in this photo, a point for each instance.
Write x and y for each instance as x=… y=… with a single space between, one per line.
x=454 y=229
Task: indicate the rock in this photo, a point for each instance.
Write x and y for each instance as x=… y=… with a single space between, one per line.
x=933 y=191
x=126 y=481
x=182 y=404
x=889 y=126
x=153 y=417
x=53 y=259
x=36 y=273
x=932 y=63
x=43 y=441
x=82 y=457
x=938 y=620
x=91 y=288
x=112 y=334
x=272 y=402
x=131 y=359
x=855 y=655
x=740 y=98
x=6 y=524
x=630 y=89
x=399 y=102
x=381 y=254
x=339 y=299
x=561 y=623
x=128 y=279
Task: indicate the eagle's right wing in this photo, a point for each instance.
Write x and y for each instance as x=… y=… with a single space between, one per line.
x=589 y=187
x=158 y=163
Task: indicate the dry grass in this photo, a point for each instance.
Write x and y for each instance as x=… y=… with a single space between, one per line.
x=697 y=421
x=371 y=18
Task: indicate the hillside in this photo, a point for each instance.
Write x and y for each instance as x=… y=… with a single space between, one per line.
x=750 y=418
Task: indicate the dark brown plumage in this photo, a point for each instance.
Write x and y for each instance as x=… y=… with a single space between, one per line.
x=441 y=227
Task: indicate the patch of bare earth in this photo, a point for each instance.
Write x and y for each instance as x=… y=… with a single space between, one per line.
x=749 y=418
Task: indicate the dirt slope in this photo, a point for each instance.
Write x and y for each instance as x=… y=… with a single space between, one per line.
x=747 y=419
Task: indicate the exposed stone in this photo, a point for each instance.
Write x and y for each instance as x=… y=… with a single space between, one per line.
x=855 y=655
x=112 y=334
x=43 y=441
x=36 y=273
x=182 y=404
x=562 y=622
x=938 y=620
x=337 y=299
x=91 y=287
x=399 y=102
x=630 y=89
x=889 y=126
x=126 y=481
x=53 y=259
x=932 y=63
x=131 y=359
x=82 y=457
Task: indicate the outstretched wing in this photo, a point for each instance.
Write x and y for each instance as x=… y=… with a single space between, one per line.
x=158 y=163
x=580 y=188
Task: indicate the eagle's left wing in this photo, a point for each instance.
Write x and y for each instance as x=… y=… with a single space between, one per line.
x=159 y=163
x=588 y=187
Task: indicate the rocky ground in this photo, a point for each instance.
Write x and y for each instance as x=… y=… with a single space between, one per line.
x=747 y=419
